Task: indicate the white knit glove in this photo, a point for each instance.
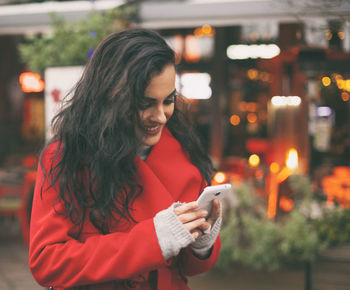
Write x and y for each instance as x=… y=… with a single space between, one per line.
x=202 y=245
x=172 y=235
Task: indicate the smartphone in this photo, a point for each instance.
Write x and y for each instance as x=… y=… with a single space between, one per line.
x=211 y=192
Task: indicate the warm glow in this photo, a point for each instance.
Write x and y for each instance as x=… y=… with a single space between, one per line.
x=283 y=174
x=31 y=82
x=244 y=51
x=254 y=160
x=252 y=74
x=337 y=186
x=326 y=81
x=220 y=177
x=343 y=85
x=205 y=30
x=193 y=50
x=329 y=34
x=274 y=167
x=282 y=101
x=286 y=204
x=242 y=106
x=265 y=77
x=347 y=85
x=273 y=195
x=259 y=174
x=345 y=96
x=252 y=107
x=292 y=159
x=341 y=35
x=337 y=77
x=252 y=117
x=340 y=84
x=235 y=120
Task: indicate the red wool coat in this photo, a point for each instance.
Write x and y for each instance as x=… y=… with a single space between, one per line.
x=124 y=258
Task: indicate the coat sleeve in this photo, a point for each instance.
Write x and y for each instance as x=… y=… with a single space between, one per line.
x=192 y=265
x=56 y=259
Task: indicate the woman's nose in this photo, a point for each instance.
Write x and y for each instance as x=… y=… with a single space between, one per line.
x=159 y=115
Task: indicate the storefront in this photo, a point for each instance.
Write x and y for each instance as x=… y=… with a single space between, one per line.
x=268 y=90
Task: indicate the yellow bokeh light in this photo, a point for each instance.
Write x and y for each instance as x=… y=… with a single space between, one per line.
x=254 y=160
x=347 y=85
x=235 y=120
x=340 y=84
x=252 y=118
x=326 y=81
x=274 y=167
x=207 y=29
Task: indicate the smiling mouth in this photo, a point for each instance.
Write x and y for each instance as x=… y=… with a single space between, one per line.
x=152 y=130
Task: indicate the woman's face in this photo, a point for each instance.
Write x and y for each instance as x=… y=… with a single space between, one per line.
x=157 y=107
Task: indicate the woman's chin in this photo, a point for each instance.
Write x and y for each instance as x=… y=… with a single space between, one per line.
x=151 y=140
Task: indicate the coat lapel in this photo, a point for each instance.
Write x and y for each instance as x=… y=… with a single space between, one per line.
x=167 y=175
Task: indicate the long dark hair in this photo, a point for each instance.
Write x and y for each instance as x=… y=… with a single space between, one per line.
x=94 y=161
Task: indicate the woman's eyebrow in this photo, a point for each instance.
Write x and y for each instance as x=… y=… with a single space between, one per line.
x=167 y=97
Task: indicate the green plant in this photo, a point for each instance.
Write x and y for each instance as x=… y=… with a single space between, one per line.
x=334 y=228
x=251 y=239
x=70 y=43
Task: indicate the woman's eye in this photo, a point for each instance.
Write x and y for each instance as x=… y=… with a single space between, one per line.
x=144 y=104
x=170 y=100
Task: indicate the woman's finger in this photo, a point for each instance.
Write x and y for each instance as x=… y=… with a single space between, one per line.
x=185 y=207
x=215 y=212
x=194 y=224
x=205 y=226
x=192 y=215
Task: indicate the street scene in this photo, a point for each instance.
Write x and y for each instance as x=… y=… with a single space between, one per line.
x=116 y=114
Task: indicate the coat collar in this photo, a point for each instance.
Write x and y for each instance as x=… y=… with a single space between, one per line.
x=167 y=175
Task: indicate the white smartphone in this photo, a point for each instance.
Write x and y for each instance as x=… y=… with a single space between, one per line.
x=211 y=192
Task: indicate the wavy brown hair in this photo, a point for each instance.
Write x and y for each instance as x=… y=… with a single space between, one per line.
x=94 y=162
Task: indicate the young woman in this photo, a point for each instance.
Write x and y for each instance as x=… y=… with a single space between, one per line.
x=114 y=204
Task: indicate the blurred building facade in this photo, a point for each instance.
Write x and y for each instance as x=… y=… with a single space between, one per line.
x=239 y=55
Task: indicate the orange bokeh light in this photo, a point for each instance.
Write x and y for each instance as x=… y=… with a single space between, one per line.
x=252 y=118
x=274 y=167
x=345 y=96
x=235 y=120
x=286 y=204
x=219 y=177
x=31 y=82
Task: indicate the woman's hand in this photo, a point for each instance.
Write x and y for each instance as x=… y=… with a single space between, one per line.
x=214 y=215
x=192 y=218
x=215 y=212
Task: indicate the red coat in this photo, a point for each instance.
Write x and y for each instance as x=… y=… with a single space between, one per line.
x=124 y=257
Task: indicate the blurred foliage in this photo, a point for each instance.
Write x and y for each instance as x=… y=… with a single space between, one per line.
x=70 y=43
x=251 y=239
x=335 y=227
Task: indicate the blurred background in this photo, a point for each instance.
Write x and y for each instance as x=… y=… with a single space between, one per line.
x=268 y=87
